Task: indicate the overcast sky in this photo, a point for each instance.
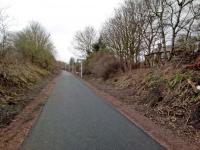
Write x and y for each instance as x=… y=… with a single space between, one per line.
x=62 y=18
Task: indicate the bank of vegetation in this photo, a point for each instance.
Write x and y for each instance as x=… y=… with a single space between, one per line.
x=147 y=54
x=26 y=57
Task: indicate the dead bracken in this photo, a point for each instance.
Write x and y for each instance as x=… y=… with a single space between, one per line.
x=162 y=94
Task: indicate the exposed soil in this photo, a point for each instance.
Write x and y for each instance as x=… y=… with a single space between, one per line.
x=18 y=118
x=161 y=94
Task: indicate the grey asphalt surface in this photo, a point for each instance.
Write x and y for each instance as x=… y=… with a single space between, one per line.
x=74 y=118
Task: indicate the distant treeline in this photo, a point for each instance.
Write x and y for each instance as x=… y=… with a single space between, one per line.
x=140 y=27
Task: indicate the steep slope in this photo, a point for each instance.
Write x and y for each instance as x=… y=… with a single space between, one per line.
x=16 y=80
x=167 y=95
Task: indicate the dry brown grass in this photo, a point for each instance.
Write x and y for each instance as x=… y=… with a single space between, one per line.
x=16 y=78
x=162 y=94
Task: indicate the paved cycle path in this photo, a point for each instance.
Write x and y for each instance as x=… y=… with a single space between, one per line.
x=74 y=118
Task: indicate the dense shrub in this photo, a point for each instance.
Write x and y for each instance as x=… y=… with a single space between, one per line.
x=34 y=44
x=102 y=64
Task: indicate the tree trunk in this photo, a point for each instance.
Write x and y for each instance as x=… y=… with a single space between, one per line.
x=173 y=46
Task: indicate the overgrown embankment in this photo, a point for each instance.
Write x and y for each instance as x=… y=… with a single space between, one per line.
x=19 y=84
x=26 y=62
x=167 y=95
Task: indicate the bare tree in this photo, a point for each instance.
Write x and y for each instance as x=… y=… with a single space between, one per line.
x=150 y=29
x=35 y=44
x=139 y=25
x=84 y=40
x=3 y=32
x=123 y=32
x=159 y=8
x=181 y=15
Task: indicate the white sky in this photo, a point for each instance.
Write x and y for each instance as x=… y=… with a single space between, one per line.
x=62 y=18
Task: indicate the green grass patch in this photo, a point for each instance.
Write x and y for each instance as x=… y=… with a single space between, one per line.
x=153 y=81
